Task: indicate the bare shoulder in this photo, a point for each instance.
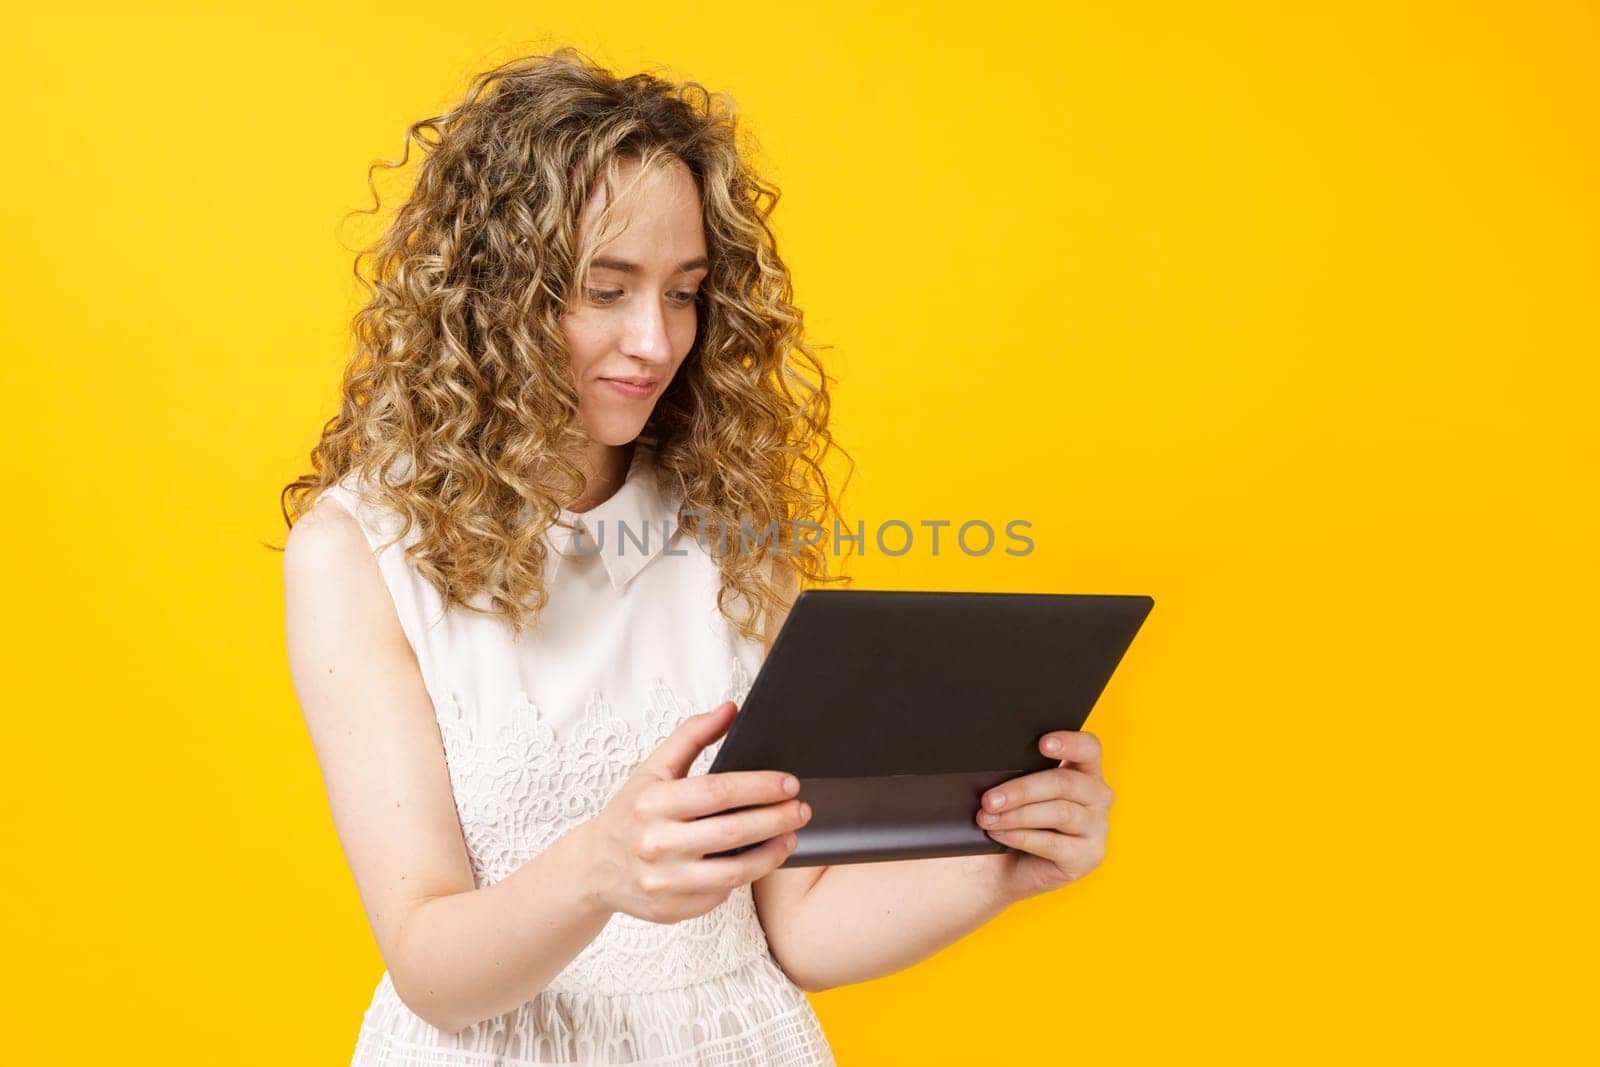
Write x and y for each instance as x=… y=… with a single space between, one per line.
x=344 y=635
x=325 y=534
x=330 y=573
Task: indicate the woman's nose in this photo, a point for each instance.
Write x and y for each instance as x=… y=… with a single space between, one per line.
x=645 y=335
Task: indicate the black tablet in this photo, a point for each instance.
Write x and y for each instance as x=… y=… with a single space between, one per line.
x=897 y=710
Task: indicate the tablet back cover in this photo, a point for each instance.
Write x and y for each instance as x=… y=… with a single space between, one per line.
x=897 y=710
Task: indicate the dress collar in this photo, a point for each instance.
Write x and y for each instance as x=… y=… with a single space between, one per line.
x=626 y=530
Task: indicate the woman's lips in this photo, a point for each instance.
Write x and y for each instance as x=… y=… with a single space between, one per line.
x=630 y=388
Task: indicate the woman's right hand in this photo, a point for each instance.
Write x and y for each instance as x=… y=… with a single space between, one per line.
x=647 y=848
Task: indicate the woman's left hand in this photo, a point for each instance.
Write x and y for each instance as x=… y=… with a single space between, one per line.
x=1057 y=818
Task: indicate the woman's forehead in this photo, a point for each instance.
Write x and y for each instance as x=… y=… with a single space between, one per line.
x=656 y=220
x=667 y=183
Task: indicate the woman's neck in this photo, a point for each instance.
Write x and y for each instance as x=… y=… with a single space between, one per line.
x=605 y=467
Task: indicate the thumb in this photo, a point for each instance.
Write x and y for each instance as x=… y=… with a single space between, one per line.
x=683 y=745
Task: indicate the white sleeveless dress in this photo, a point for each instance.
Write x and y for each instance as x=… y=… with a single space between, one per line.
x=539 y=734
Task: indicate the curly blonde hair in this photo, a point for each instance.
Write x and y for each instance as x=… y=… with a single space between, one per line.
x=459 y=376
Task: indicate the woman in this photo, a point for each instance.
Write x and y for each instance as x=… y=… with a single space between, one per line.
x=578 y=385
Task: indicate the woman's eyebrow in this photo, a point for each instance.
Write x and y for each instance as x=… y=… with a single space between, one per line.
x=626 y=267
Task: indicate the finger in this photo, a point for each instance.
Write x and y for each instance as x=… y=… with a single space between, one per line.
x=1065 y=852
x=702 y=795
x=1077 y=747
x=1057 y=782
x=674 y=756
x=1062 y=816
x=720 y=833
x=731 y=872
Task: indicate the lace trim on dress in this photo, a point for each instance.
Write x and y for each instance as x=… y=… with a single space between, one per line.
x=751 y=1016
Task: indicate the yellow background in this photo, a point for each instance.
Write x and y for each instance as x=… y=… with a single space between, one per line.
x=1286 y=318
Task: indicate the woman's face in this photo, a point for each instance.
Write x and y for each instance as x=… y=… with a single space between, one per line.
x=635 y=319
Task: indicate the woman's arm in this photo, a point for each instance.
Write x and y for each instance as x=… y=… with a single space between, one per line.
x=860 y=921
x=456 y=954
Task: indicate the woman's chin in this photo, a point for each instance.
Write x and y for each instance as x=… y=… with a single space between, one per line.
x=615 y=430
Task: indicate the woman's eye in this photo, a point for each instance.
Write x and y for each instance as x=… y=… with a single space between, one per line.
x=607 y=296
